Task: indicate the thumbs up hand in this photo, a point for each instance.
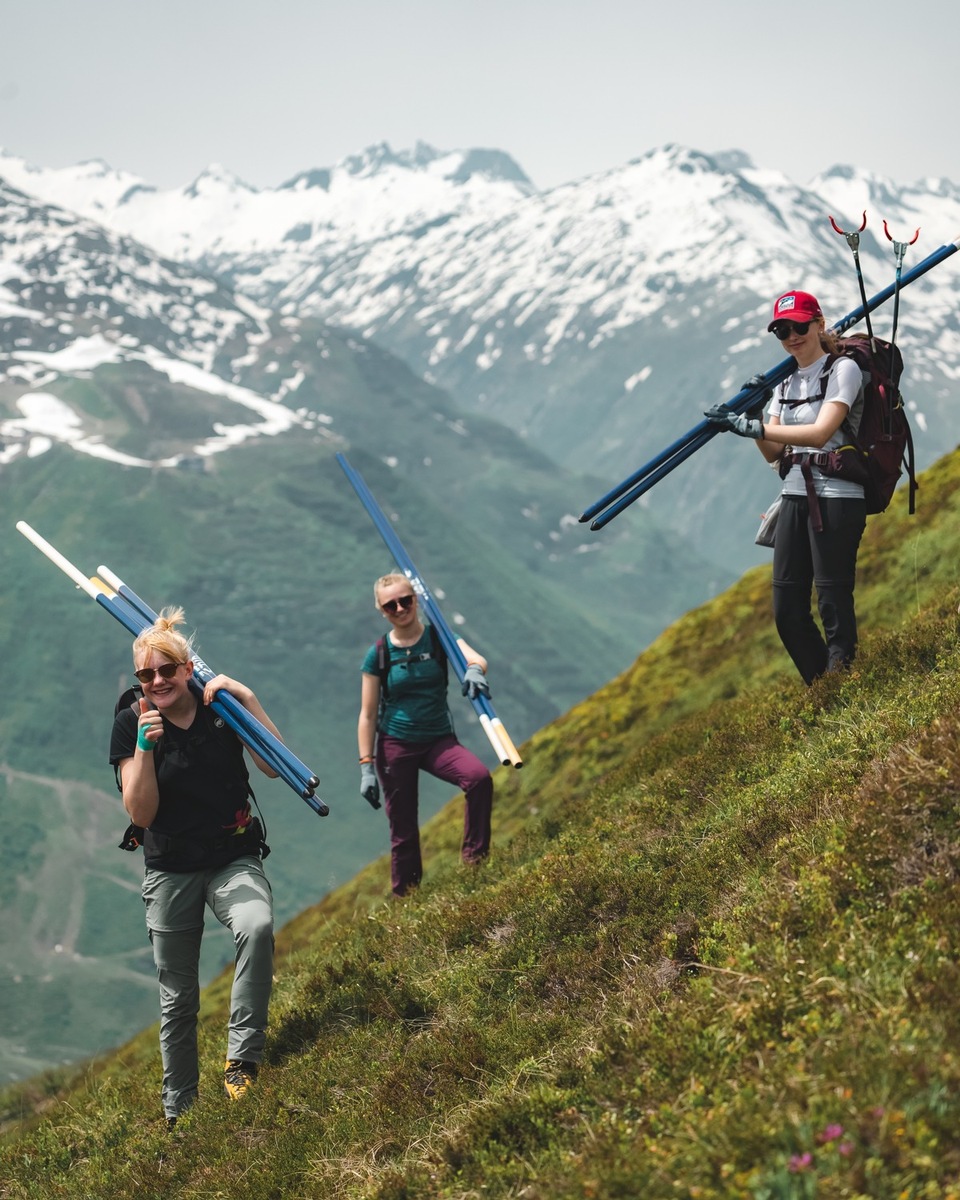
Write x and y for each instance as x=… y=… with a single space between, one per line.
x=149 y=727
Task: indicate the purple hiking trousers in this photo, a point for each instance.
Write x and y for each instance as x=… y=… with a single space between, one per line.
x=398 y=764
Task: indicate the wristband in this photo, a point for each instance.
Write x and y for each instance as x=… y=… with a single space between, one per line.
x=143 y=742
x=367 y=758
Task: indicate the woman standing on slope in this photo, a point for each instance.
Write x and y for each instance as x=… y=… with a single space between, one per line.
x=405 y=727
x=822 y=516
x=184 y=781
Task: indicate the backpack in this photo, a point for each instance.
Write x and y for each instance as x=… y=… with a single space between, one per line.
x=883 y=444
x=133 y=834
x=383 y=663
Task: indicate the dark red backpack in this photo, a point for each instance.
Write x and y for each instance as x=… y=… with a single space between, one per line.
x=884 y=439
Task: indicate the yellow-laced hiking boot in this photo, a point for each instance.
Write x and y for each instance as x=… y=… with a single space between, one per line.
x=238 y=1077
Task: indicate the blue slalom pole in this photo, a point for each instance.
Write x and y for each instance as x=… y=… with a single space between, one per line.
x=251 y=731
x=246 y=727
x=134 y=619
x=652 y=472
x=491 y=724
x=642 y=480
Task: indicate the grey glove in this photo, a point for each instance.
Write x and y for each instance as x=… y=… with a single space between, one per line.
x=474 y=683
x=369 y=786
x=729 y=422
x=758 y=381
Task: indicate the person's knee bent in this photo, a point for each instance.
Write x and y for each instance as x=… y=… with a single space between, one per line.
x=478 y=783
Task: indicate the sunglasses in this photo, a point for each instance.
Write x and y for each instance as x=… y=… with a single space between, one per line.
x=165 y=671
x=401 y=604
x=783 y=329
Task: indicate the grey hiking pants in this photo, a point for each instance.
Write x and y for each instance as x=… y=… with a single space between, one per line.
x=240 y=898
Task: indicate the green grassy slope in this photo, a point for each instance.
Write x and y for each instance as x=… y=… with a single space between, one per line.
x=273 y=559
x=713 y=955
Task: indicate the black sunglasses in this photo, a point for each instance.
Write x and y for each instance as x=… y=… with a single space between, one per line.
x=401 y=602
x=783 y=329
x=165 y=671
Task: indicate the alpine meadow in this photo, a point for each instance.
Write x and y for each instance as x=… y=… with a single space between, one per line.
x=713 y=951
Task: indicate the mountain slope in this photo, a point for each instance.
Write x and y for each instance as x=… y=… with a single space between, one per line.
x=716 y=957
x=153 y=421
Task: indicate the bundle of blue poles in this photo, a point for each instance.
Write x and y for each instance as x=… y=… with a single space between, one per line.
x=749 y=397
x=491 y=724
x=135 y=615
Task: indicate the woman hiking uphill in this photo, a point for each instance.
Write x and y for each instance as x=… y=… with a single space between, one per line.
x=184 y=780
x=405 y=728
x=822 y=514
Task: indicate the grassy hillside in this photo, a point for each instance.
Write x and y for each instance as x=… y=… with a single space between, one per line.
x=273 y=558
x=713 y=955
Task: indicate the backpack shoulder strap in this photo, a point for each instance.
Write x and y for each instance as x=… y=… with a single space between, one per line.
x=133 y=835
x=128 y=699
x=825 y=372
x=383 y=666
x=439 y=653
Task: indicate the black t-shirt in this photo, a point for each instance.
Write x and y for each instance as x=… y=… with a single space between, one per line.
x=203 y=819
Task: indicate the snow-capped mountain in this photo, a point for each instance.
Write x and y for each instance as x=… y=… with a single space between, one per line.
x=598 y=318
x=124 y=355
x=367 y=196
x=78 y=301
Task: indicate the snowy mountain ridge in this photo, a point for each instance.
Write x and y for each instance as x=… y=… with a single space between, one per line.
x=597 y=318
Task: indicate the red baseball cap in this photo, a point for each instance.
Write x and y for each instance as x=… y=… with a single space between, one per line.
x=795 y=306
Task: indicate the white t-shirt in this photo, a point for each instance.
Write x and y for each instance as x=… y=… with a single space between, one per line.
x=845 y=386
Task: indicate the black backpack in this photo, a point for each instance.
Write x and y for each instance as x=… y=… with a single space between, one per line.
x=133 y=834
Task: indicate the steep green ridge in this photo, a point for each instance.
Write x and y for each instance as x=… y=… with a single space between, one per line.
x=713 y=954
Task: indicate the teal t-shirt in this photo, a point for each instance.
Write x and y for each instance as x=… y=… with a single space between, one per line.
x=415 y=709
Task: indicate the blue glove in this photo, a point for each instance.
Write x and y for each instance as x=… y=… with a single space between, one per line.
x=725 y=421
x=474 y=682
x=369 y=786
x=756 y=381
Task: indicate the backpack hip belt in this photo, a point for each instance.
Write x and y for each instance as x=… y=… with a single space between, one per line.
x=846 y=462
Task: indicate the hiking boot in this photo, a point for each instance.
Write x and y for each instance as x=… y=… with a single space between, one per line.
x=238 y=1077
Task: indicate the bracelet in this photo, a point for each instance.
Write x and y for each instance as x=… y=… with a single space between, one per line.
x=367 y=758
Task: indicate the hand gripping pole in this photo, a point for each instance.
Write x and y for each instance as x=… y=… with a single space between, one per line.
x=635 y=485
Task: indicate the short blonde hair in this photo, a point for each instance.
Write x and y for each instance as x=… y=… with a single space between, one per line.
x=385 y=581
x=162 y=636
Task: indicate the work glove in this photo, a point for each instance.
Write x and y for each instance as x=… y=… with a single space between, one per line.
x=725 y=421
x=757 y=408
x=474 y=683
x=369 y=786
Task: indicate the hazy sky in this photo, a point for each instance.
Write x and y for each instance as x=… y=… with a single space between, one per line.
x=567 y=87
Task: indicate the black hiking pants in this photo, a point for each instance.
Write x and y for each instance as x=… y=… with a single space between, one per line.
x=803 y=558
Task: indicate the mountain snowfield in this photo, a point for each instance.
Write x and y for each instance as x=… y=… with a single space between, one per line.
x=76 y=298
x=597 y=319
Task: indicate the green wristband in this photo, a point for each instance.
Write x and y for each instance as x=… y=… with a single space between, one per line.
x=143 y=742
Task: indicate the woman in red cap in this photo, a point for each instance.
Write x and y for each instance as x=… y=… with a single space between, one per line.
x=815 y=410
